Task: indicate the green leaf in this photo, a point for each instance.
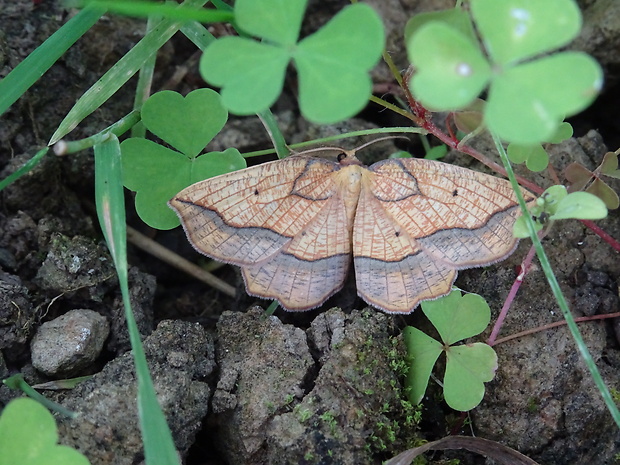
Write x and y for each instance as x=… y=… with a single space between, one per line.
x=518 y=153
x=158 y=173
x=580 y=205
x=557 y=204
x=251 y=74
x=278 y=21
x=564 y=132
x=17 y=382
x=534 y=156
x=551 y=198
x=145 y=8
x=437 y=152
x=187 y=123
x=527 y=103
x=28 y=436
x=424 y=352
x=333 y=64
x=538 y=161
x=468 y=367
x=451 y=70
x=456 y=18
x=513 y=30
x=158 y=444
x=24 y=169
x=468 y=316
x=520 y=229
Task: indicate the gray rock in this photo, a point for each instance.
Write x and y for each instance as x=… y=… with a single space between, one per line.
x=69 y=343
x=180 y=356
x=263 y=364
x=345 y=408
x=75 y=263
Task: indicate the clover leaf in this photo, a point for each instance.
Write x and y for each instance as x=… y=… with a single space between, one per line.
x=579 y=177
x=28 y=436
x=557 y=204
x=332 y=64
x=518 y=29
x=156 y=172
x=535 y=156
x=468 y=366
x=528 y=96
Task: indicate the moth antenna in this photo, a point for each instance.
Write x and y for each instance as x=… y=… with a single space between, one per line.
x=347 y=152
x=363 y=146
x=319 y=149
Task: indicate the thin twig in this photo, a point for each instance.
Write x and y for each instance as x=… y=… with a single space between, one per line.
x=525 y=267
x=149 y=245
x=555 y=325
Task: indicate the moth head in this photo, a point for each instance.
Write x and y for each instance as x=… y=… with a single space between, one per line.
x=344 y=157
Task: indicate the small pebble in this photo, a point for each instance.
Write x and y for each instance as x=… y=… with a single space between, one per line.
x=69 y=343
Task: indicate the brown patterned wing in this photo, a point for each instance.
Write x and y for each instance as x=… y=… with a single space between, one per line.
x=284 y=223
x=419 y=221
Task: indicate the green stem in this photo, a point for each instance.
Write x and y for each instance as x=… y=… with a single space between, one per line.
x=555 y=288
x=145 y=81
x=17 y=382
x=271 y=125
x=346 y=135
x=120 y=127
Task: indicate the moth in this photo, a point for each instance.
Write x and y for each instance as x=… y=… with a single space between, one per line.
x=294 y=225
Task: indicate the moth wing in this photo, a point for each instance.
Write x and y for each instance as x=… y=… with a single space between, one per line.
x=284 y=223
x=419 y=221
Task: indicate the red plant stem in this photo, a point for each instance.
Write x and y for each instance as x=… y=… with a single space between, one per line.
x=555 y=325
x=602 y=234
x=525 y=267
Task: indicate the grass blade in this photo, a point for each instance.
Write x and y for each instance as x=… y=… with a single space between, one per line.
x=198 y=34
x=29 y=165
x=145 y=81
x=19 y=383
x=18 y=81
x=171 y=11
x=159 y=447
x=120 y=73
x=557 y=292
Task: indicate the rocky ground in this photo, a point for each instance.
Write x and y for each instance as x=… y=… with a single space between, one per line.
x=239 y=387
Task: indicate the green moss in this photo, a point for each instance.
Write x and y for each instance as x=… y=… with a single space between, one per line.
x=302 y=414
x=330 y=419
